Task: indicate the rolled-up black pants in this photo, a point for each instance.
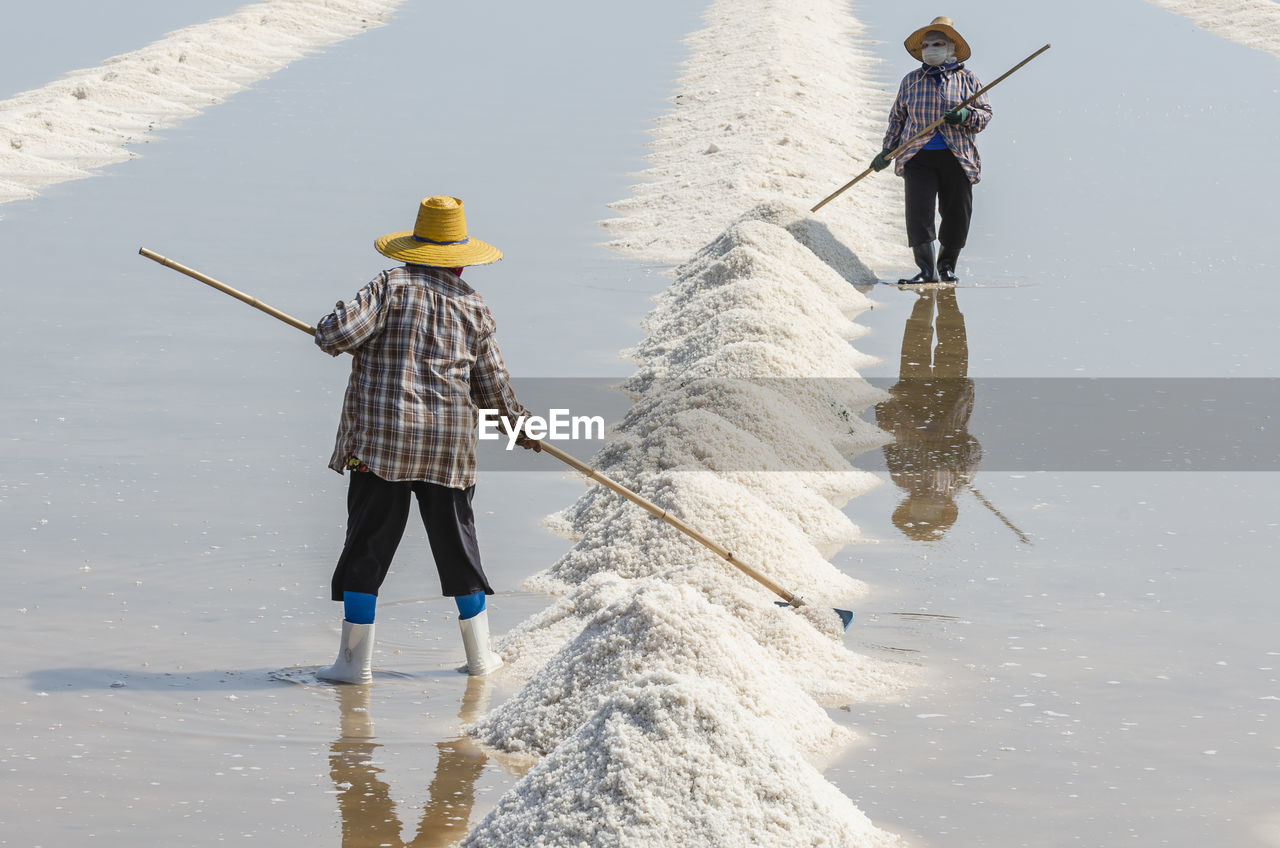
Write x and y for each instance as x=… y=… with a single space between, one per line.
x=377 y=514
x=935 y=182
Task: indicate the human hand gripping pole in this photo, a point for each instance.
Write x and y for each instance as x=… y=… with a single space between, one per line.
x=790 y=598
x=883 y=157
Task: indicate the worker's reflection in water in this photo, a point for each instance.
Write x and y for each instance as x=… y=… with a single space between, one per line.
x=933 y=457
x=368 y=814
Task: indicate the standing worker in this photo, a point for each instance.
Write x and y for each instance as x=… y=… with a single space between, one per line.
x=939 y=170
x=425 y=359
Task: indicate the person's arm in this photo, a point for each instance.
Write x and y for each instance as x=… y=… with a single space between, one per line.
x=979 y=111
x=491 y=385
x=897 y=119
x=353 y=323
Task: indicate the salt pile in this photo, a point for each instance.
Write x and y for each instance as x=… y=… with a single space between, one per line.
x=1253 y=23
x=670 y=699
x=657 y=626
x=89 y=118
x=673 y=760
x=627 y=541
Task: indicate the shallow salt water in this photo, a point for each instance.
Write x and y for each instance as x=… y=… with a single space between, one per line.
x=1112 y=677
x=168 y=526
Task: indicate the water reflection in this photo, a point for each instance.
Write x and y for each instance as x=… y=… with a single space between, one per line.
x=368 y=813
x=933 y=457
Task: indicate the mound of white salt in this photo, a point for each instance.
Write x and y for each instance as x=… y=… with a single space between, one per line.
x=821 y=413
x=755 y=249
x=798 y=250
x=790 y=437
x=533 y=642
x=790 y=494
x=630 y=542
x=816 y=235
x=681 y=310
x=675 y=761
x=826 y=409
x=807 y=640
x=657 y=626
x=825 y=351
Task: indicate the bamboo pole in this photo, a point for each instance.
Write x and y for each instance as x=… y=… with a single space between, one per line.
x=929 y=130
x=226 y=289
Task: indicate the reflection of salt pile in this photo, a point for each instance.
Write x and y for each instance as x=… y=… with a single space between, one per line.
x=671 y=700
x=87 y=119
x=673 y=760
x=1253 y=23
x=777 y=102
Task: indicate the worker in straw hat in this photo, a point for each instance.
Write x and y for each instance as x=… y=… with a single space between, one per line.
x=425 y=359
x=938 y=169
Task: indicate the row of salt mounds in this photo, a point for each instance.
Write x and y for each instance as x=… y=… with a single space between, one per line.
x=747 y=356
x=782 y=520
x=777 y=102
x=1253 y=23
x=87 y=119
x=641 y=596
x=673 y=760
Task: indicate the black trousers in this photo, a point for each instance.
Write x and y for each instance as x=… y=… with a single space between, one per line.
x=377 y=514
x=935 y=182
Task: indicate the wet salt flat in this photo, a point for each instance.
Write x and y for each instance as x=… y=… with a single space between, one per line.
x=1084 y=656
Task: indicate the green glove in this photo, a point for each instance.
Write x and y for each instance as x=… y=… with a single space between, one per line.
x=957 y=116
x=881 y=161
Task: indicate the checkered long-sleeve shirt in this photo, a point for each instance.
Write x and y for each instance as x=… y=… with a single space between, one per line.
x=924 y=97
x=425 y=359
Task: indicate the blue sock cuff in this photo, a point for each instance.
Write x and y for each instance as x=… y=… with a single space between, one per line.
x=358 y=607
x=469 y=606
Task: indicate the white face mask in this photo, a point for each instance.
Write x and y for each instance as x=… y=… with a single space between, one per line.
x=938 y=50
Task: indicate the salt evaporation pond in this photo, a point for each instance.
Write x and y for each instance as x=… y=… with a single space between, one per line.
x=1110 y=676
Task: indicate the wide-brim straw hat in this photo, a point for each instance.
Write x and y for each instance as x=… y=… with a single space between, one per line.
x=438 y=238
x=944 y=25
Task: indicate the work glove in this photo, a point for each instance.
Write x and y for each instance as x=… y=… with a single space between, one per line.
x=881 y=161
x=957 y=116
x=527 y=443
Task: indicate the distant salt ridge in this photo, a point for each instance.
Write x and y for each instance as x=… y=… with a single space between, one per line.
x=1253 y=23
x=89 y=118
x=781 y=104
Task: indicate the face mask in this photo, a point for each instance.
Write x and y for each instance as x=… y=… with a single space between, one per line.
x=935 y=55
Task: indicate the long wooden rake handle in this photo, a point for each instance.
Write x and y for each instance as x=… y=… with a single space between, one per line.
x=577 y=465
x=658 y=512
x=226 y=289
x=929 y=129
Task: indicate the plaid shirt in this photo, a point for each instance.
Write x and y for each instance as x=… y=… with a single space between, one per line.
x=923 y=100
x=425 y=360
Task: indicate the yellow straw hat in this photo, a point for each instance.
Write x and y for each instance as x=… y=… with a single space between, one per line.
x=438 y=238
x=945 y=26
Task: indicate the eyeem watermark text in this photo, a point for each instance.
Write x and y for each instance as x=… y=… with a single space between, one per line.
x=560 y=425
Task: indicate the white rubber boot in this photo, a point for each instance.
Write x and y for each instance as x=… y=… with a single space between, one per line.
x=475 y=639
x=355 y=656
